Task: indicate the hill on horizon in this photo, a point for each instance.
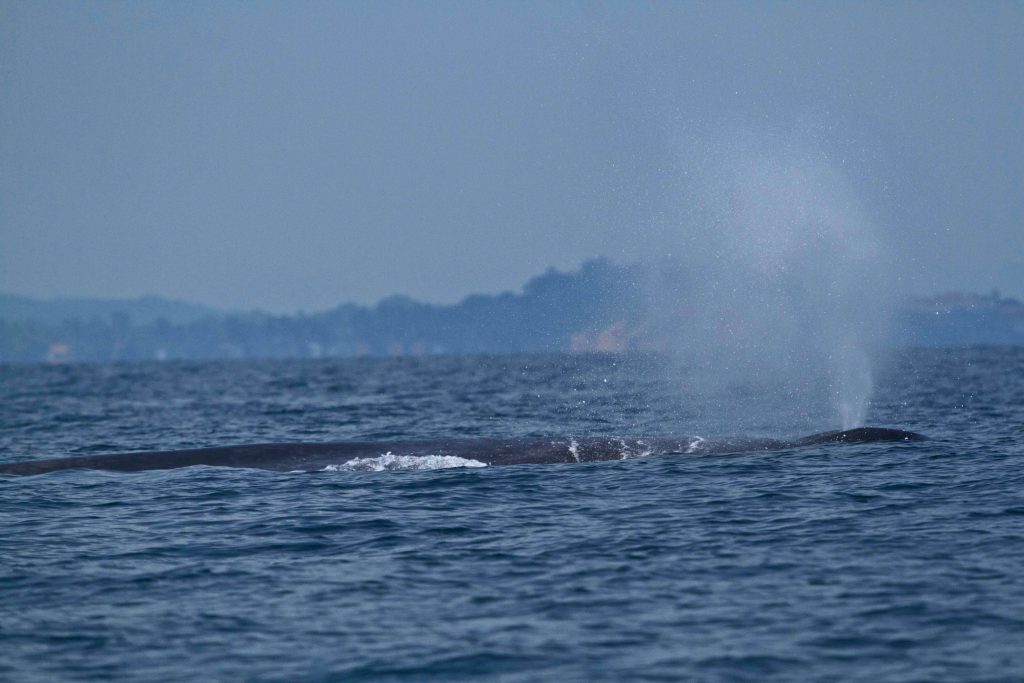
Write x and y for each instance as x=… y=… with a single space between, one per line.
x=143 y=310
x=601 y=307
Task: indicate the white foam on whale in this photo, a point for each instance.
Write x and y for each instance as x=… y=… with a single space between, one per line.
x=574 y=449
x=389 y=461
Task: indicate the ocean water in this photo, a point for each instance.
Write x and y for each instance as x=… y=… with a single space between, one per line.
x=855 y=562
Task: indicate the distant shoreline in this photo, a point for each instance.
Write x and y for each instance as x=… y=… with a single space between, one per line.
x=602 y=307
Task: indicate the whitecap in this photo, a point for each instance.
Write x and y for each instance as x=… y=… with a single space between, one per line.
x=695 y=444
x=390 y=461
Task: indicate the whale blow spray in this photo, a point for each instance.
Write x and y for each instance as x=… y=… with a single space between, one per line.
x=787 y=283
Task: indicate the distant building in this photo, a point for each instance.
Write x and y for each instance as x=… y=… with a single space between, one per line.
x=58 y=353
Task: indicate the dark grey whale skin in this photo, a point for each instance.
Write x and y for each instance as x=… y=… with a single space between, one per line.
x=290 y=457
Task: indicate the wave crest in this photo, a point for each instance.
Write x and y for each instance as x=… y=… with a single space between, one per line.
x=390 y=461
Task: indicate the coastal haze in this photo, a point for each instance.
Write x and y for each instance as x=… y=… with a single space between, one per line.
x=511 y=341
x=297 y=157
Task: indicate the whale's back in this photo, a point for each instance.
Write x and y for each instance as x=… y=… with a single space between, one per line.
x=861 y=435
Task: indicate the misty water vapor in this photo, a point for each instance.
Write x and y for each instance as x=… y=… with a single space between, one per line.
x=787 y=291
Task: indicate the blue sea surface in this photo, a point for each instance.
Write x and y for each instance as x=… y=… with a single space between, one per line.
x=854 y=562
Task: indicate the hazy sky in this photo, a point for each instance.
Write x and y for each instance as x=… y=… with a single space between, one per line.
x=294 y=155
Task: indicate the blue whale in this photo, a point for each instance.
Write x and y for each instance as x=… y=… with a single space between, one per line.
x=290 y=457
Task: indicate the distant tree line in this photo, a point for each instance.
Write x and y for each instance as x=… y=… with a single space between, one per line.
x=600 y=307
x=543 y=317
